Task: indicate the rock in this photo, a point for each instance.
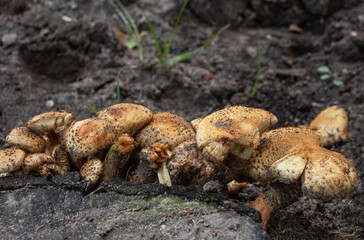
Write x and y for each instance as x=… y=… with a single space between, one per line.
x=9 y=39
x=52 y=212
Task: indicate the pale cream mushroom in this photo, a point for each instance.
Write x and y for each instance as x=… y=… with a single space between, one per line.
x=49 y=122
x=33 y=161
x=127 y=118
x=24 y=138
x=332 y=123
x=11 y=160
x=234 y=130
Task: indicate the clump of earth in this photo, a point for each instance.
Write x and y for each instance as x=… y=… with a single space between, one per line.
x=67 y=54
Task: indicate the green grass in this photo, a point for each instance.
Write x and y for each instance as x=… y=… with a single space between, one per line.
x=127 y=19
x=164 y=60
x=93 y=109
x=258 y=77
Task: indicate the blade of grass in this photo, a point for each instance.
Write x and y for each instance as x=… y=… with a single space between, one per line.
x=189 y=54
x=117 y=80
x=93 y=109
x=127 y=19
x=257 y=79
x=169 y=43
x=154 y=37
x=108 y=159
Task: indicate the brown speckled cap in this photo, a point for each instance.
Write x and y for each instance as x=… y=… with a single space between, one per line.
x=276 y=148
x=87 y=137
x=91 y=171
x=233 y=130
x=26 y=139
x=127 y=117
x=165 y=128
x=11 y=160
x=332 y=123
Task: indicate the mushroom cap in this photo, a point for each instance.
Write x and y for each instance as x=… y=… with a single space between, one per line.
x=11 y=160
x=328 y=174
x=127 y=117
x=233 y=130
x=195 y=122
x=188 y=165
x=165 y=128
x=50 y=120
x=26 y=139
x=35 y=160
x=87 y=137
x=91 y=171
x=276 y=148
x=332 y=123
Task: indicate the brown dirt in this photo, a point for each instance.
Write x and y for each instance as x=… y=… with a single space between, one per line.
x=74 y=64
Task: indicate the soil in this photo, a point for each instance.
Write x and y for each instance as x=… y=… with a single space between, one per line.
x=66 y=55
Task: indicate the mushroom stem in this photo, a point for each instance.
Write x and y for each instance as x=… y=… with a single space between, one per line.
x=163 y=175
x=264 y=207
x=276 y=196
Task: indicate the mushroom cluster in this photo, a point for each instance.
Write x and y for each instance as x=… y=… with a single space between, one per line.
x=231 y=145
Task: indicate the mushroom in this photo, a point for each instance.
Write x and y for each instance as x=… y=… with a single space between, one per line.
x=117 y=157
x=91 y=171
x=233 y=130
x=294 y=159
x=234 y=187
x=167 y=131
x=126 y=117
x=188 y=165
x=26 y=139
x=33 y=161
x=48 y=122
x=11 y=160
x=87 y=137
x=332 y=124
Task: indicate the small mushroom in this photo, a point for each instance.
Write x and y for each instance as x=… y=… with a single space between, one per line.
x=126 y=117
x=234 y=187
x=11 y=160
x=165 y=128
x=332 y=123
x=33 y=161
x=87 y=137
x=167 y=131
x=118 y=156
x=91 y=171
x=24 y=138
x=48 y=122
x=153 y=162
x=233 y=130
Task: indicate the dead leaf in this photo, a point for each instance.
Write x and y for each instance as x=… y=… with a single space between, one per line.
x=121 y=37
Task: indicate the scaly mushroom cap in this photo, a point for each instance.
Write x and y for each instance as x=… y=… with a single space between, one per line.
x=188 y=165
x=11 y=160
x=127 y=117
x=91 y=171
x=50 y=120
x=233 y=130
x=328 y=174
x=277 y=148
x=35 y=160
x=26 y=139
x=195 y=122
x=332 y=124
x=87 y=137
x=165 y=128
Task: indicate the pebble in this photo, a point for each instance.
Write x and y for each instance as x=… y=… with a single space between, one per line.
x=9 y=39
